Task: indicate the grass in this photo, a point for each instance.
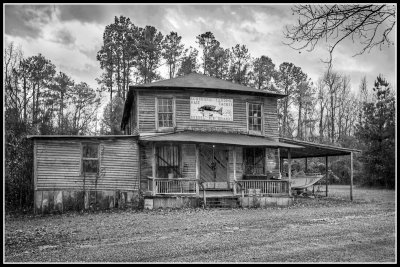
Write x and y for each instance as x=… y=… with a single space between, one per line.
x=329 y=229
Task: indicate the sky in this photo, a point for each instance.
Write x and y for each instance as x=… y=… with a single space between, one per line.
x=70 y=36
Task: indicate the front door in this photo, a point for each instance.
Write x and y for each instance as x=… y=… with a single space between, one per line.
x=214 y=166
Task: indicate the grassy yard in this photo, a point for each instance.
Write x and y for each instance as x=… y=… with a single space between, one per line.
x=329 y=229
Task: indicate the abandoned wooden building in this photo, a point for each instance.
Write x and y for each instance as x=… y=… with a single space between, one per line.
x=189 y=141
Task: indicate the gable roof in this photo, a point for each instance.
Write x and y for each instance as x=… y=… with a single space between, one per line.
x=200 y=81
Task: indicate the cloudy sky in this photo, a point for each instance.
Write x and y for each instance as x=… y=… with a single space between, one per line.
x=71 y=35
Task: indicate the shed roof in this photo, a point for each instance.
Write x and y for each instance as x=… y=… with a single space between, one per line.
x=216 y=138
x=81 y=136
x=310 y=149
x=201 y=81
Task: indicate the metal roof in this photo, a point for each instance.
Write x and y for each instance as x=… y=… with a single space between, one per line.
x=80 y=136
x=200 y=81
x=216 y=138
x=313 y=149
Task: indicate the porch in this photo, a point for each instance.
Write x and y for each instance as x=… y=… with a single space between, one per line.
x=213 y=167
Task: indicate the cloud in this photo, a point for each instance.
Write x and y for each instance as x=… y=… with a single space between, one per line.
x=26 y=20
x=64 y=37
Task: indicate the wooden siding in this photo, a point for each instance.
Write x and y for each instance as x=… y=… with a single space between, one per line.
x=146 y=112
x=59 y=166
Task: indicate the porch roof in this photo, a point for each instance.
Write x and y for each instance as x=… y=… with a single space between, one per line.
x=310 y=149
x=216 y=138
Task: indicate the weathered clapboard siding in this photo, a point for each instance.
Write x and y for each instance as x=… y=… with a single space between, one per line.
x=271 y=118
x=58 y=166
x=146 y=111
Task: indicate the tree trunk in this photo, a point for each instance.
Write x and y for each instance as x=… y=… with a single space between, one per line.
x=299 y=123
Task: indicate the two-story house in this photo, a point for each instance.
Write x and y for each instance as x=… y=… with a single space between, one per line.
x=189 y=140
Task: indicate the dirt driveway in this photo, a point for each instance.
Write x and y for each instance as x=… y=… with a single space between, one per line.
x=312 y=230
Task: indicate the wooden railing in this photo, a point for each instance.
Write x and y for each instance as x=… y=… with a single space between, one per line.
x=174 y=186
x=263 y=187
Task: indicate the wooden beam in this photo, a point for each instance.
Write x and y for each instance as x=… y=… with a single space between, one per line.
x=289 y=170
x=351 y=176
x=326 y=173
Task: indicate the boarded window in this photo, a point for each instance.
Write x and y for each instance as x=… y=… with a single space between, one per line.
x=90 y=158
x=254 y=117
x=165 y=112
x=253 y=160
x=168 y=161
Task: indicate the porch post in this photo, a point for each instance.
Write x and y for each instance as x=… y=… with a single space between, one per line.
x=197 y=168
x=326 y=175
x=306 y=166
x=289 y=170
x=351 y=176
x=153 y=167
x=234 y=169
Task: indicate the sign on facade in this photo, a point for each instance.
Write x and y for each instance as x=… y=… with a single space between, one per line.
x=207 y=108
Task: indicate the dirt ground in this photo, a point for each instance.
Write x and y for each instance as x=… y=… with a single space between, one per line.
x=329 y=229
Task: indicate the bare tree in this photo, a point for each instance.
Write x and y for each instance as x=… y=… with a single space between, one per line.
x=370 y=24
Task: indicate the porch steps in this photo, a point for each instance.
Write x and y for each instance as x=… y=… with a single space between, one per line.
x=222 y=202
x=220 y=199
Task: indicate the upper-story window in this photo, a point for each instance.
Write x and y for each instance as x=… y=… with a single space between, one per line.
x=254 y=117
x=165 y=112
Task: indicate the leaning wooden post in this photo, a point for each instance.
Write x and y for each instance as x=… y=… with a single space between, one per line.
x=351 y=176
x=153 y=167
x=289 y=171
x=326 y=175
x=197 y=169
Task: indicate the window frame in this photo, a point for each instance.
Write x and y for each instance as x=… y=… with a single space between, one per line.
x=87 y=159
x=261 y=162
x=248 y=118
x=158 y=127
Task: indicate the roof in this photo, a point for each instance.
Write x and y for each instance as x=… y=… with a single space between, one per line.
x=314 y=149
x=201 y=81
x=216 y=138
x=80 y=136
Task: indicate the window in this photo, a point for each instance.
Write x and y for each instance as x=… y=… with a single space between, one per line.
x=90 y=158
x=165 y=112
x=253 y=159
x=254 y=118
x=168 y=160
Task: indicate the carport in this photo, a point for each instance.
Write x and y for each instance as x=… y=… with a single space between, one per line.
x=314 y=150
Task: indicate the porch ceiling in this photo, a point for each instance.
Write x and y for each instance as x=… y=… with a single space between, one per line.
x=216 y=138
x=310 y=150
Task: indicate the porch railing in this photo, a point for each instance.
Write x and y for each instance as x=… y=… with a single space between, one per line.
x=263 y=187
x=162 y=186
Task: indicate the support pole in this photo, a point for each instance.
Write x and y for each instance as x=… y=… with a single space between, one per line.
x=234 y=170
x=326 y=175
x=197 y=151
x=306 y=168
x=153 y=167
x=289 y=170
x=351 y=176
